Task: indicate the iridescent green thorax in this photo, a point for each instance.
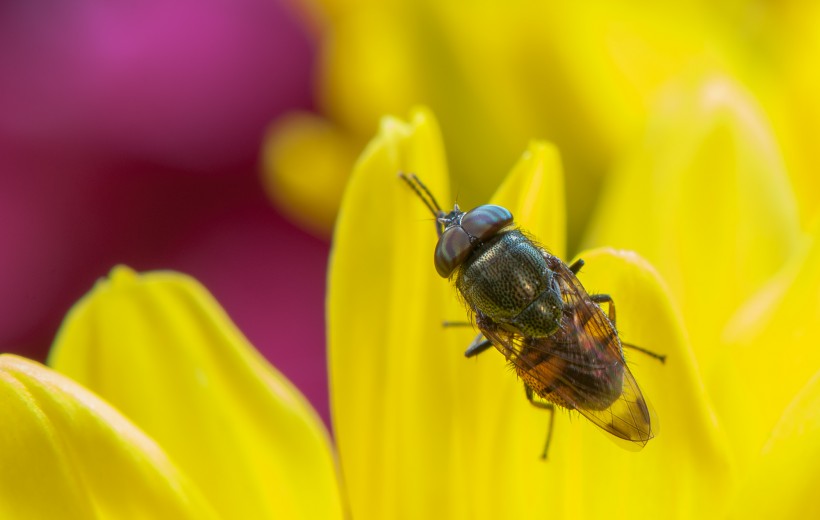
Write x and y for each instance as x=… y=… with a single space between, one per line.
x=508 y=280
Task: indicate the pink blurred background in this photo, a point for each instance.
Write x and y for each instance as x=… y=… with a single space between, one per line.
x=130 y=133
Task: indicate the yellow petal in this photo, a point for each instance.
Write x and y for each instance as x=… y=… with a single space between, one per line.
x=772 y=352
x=706 y=200
x=686 y=468
x=162 y=350
x=783 y=482
x=535 y=187
x=793 y=100
x=385 y=308
x=65 y=453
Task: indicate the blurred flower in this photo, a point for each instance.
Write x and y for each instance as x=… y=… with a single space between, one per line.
x=129 y=133
x=421 y=432
x=583 y=75
x=707 y=200
x=225 y=435
x=782 y=53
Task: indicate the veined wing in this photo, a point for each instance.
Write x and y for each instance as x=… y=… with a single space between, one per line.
x=581 y=365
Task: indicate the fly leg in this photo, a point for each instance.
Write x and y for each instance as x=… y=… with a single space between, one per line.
x=545 y=406
x=479 y=344
x=659 y=357
x=447 y=324
x=605 y=298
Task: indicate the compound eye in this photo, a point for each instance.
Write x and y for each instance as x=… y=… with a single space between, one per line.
x=452 y=249
x=485 y=221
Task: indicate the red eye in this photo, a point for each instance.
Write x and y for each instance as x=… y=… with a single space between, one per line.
x=452 y=249
x=485 y=221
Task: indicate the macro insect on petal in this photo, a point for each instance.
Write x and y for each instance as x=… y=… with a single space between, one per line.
x=530 y=306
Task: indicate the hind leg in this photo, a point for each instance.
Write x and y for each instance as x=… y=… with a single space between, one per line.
x=544 y=406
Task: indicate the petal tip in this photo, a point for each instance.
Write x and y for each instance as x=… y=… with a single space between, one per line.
x=122 y=275
x=540 y=147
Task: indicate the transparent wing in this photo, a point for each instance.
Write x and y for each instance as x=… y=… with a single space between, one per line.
x=628 y=417
x=581 y=365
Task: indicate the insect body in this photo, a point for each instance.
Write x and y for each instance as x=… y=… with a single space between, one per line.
x=532 y=308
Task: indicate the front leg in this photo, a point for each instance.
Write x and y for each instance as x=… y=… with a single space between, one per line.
x=479 y=345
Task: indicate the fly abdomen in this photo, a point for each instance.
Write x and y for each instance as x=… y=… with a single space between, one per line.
x=570 y=377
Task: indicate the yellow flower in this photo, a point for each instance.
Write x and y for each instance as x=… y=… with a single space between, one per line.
x=204 y=428
x=583 y=74
x=423 y=432
x=225 y=435
x=707 y=200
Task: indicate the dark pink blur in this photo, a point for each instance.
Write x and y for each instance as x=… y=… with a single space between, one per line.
x=129 y=133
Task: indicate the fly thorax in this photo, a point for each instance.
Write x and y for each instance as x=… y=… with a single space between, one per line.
x=508 y=280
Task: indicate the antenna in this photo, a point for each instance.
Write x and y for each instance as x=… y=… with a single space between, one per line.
x=423 y=193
